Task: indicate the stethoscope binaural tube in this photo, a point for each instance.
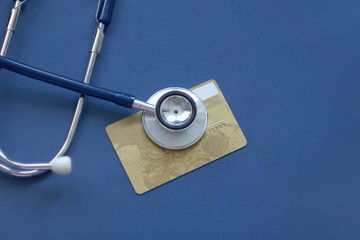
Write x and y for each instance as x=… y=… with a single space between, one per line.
x=10 y=28
x=60 y=164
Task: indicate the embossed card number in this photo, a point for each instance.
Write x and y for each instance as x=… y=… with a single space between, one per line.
x=149 y=166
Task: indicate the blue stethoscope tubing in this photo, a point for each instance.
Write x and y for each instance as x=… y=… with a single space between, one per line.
x=122 y=99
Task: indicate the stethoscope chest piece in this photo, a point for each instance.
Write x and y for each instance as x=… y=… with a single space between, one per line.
x=179 y=121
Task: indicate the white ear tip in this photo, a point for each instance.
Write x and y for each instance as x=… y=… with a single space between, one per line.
x=61 y=165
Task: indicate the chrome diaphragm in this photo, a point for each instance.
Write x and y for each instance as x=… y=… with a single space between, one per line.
x=179 y=121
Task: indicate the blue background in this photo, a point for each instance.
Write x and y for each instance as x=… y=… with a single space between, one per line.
x=288 y=69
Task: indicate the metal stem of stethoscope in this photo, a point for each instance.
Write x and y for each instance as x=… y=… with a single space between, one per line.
x=59 y=164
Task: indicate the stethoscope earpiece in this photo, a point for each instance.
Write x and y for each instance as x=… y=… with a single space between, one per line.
x=61 y=165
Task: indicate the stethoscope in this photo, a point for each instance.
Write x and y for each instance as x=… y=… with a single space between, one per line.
x=173 y=118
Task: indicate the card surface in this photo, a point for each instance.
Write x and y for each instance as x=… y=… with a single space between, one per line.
x=149 y=166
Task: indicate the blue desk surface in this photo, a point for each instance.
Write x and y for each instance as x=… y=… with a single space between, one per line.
x=290 y=71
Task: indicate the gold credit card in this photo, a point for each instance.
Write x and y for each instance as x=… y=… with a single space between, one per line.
x=149 y=166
